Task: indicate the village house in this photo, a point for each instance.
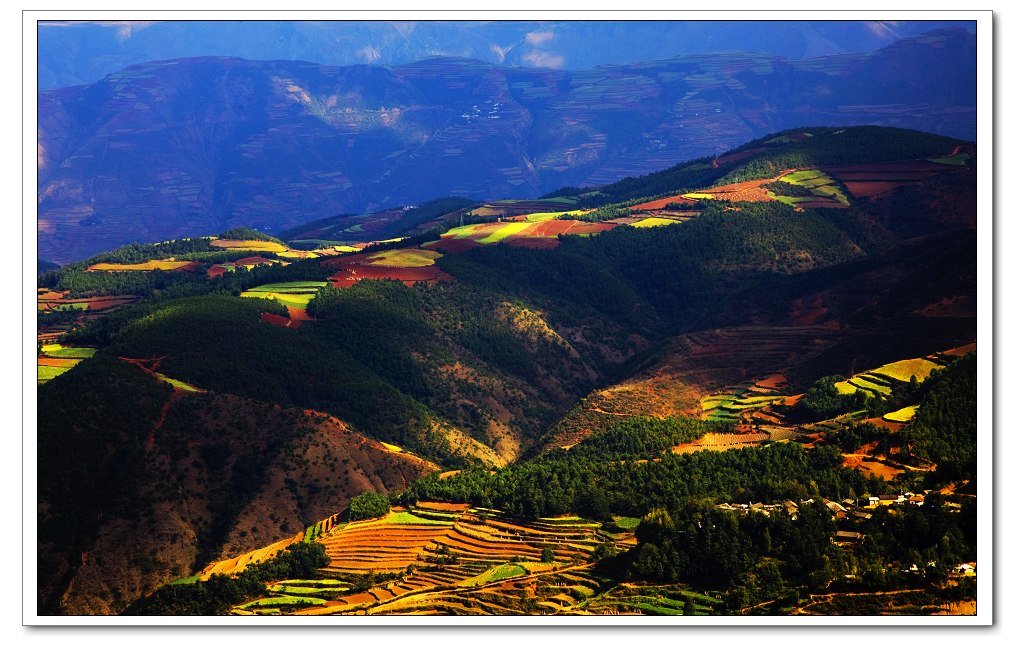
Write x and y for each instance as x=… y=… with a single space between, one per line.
x=847 y=538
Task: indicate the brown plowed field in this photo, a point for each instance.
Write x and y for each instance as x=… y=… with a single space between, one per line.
x=741 y=191
x=357 y=267
x=280 y=321
x=658 y=205
x=445 y=506
x=870 y=189
x=452 y=245
x=57 y=362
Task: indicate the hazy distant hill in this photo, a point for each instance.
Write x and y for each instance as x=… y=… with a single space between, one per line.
x=78 y=53
x=185 y=147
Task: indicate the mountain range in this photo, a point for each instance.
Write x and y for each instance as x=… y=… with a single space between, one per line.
x=173 y=148
x=80 y=53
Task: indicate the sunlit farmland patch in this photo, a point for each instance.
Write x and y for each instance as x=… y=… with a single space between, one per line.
x=553 y=215
x=177 y=384
x=646 y=223
x=295 y=294
x=903 y=414
x=150 y=265
x=819 y=184
x=903 y=370
x=403 y=258
x=249 y=245
x=57 y=350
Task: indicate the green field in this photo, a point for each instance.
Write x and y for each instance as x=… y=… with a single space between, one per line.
x=554 y=215
x=299 y=301
x=298 y=590
x=295 y=294
x=404 y=258
x=818 y=183
x=626 y=522
x=176 y=383
x=952 y=160
x=61 y=352
x=496 y=573
x=48 y=372
x=185 y=580
x=274 y=602
x=408 y=518
x=299 y=287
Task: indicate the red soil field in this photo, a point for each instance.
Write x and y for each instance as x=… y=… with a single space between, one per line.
x=253 y=261
x=656 y=205
x=871 y=189
x=884 y=423
x=352 y=274
x=960 y=352
x=775 y=381
x=298 y=315
x=534 y=243
x=444 y=506
x=280 y=321
x=821 y=204
x=216 y=271
x=57 y=362
x=726 y=159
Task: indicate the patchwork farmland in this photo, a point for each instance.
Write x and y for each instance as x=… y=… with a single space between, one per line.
x=437 y=557
x=535 y=235
x=410 y=266
x=55 y=359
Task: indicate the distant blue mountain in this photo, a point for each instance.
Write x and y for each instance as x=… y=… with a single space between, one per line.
x=81 y=53
x=194 y=146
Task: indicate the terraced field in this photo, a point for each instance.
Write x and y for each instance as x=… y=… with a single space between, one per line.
x=294 y=295
x=883 y=379
x=447 y=558
x=664 y=600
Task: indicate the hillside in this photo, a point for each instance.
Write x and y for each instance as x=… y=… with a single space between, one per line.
x=650 y=350
x=152 y=481
x=304 y=141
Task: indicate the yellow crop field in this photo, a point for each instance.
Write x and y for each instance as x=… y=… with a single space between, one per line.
x=653 y=222
x=543 y=217
x=903 y=370
x=403 y=258
x=698 y=196
x=151 y=265
x=505 y=230
x=903 y=415
x=299 y=301
x=249 y=245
